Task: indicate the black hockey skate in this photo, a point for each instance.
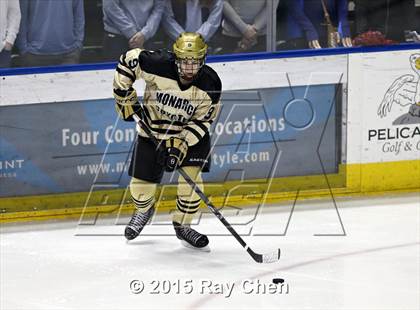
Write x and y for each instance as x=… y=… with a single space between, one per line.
x=191 y=238
x=137 y=223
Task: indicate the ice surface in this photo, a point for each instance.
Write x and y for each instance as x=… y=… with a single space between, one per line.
x=374 y=265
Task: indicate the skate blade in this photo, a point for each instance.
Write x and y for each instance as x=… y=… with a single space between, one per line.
x=187 y=245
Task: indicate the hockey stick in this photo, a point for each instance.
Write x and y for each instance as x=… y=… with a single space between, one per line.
x=259 y=258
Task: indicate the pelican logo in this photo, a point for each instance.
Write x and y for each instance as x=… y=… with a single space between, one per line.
x=402 y=96
x=404 y=91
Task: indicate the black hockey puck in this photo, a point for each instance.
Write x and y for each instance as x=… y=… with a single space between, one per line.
x=278 y=280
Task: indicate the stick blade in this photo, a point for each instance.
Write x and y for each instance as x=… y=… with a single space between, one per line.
x=267 y=258
x=272 y=257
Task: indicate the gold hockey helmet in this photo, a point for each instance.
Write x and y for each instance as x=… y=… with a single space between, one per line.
x=190 y=45
x=190 y=51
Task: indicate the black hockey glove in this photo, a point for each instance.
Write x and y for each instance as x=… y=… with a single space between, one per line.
x=176 y=149
x=162 y=155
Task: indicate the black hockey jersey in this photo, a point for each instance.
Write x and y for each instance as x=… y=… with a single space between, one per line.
x=169 y=107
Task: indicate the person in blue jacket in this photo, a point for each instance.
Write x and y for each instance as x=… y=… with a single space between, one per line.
x=129 y=24
x=306 y=23
x=51 y=32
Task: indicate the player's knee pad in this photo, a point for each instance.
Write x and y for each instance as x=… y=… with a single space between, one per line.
x=142 y=193
x=187 y=199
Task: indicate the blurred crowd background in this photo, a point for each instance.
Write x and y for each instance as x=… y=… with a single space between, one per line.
x=56 y=32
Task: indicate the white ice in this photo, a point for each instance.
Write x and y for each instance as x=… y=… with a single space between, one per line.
x=375 y=265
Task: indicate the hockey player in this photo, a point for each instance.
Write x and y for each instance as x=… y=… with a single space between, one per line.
x=181 y=100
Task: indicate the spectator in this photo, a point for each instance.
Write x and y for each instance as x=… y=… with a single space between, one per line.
x=390 y=17
x=129 y=24
x=306 y=23
x=202 y=16
x=9 y=27
x=244 y=25
x=51 y=32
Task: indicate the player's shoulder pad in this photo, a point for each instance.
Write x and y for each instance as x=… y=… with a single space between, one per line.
x=210 y=82
x=159 y=62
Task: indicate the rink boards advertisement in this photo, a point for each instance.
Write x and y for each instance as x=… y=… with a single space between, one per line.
x=66 y=147
x=389 y=96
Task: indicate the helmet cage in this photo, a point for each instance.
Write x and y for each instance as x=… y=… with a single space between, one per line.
x=195 y=65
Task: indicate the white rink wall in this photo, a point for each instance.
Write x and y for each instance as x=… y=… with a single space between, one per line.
x=378 y=144
x=237 y=75
x=366 y=78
